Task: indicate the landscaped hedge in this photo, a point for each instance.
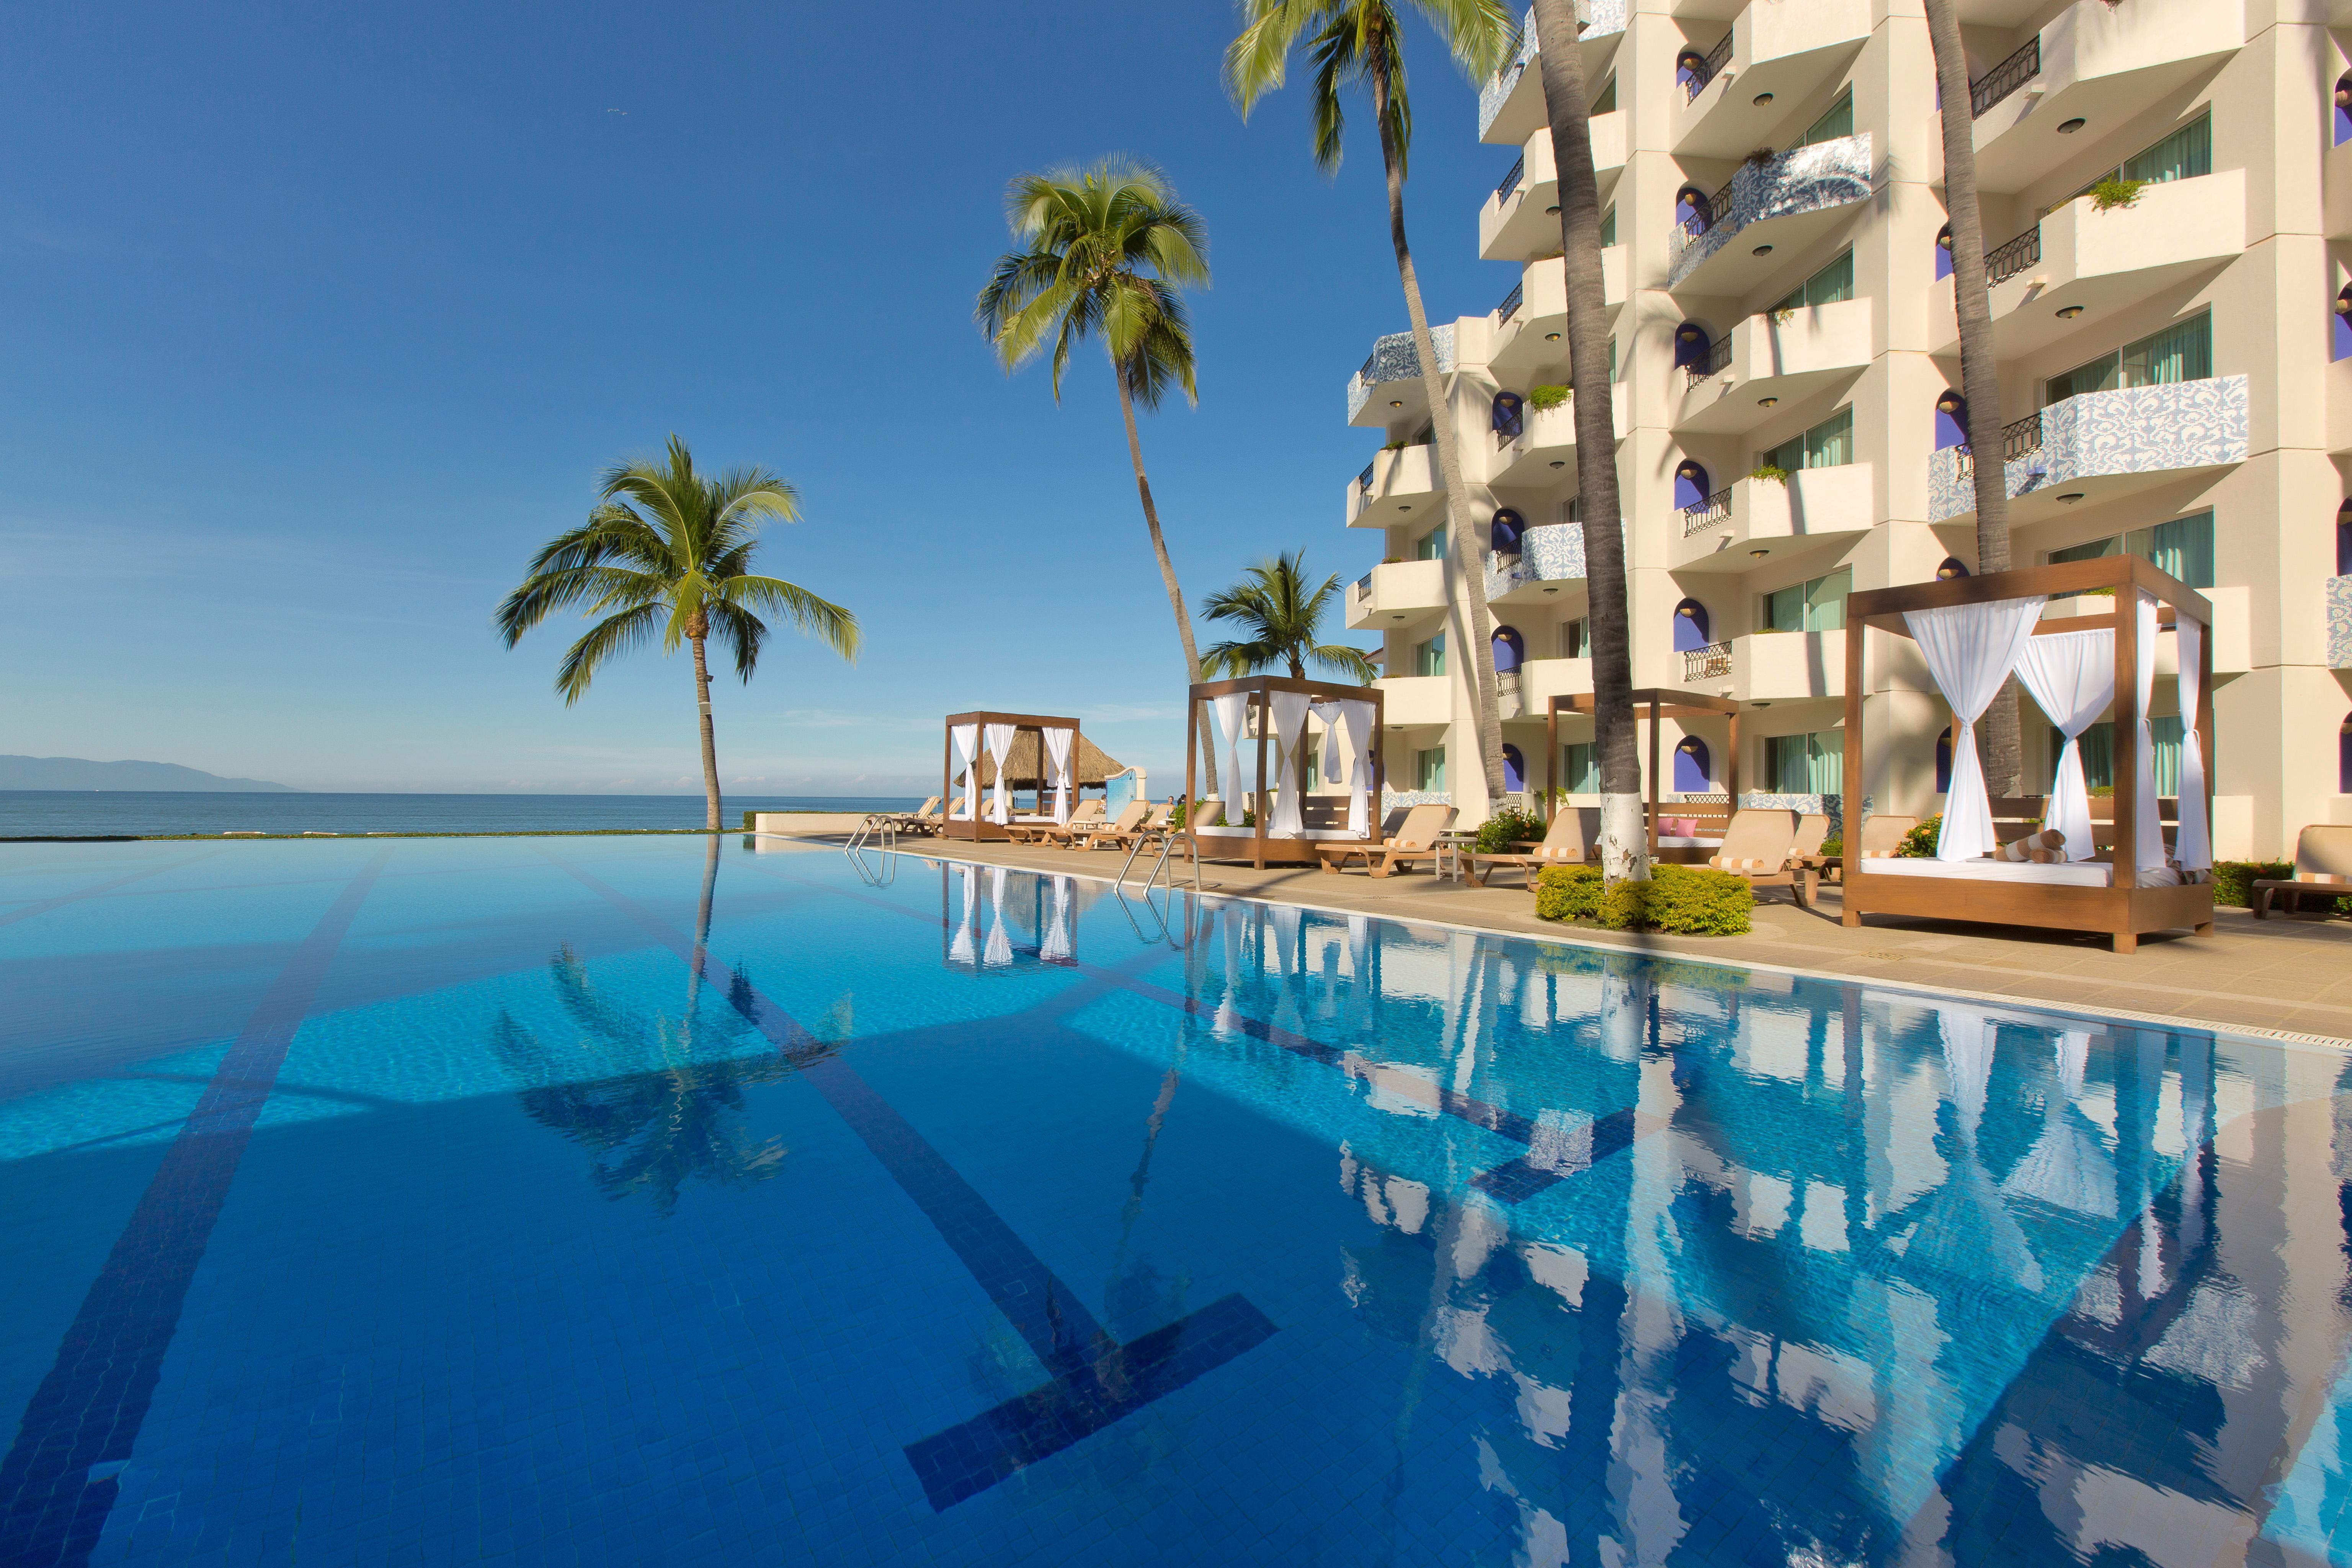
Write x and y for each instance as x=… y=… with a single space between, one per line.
x=2233 y=884
x=1686 y=899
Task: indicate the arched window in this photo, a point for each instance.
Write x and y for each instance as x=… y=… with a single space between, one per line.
x=1692 y=211
x=1503 y=534
x=1510 y=649
x=1693 y=775
x=2342 y=345
x=1951 y=420
x=1950 y=569
x=2344 y=109
x=1690 y=626
x=2344 y=538
x=1691 y=344
x=1510 y=417
x=1944 y=762
x=1690 y=484
x=1944 y=251
x=1514 y=771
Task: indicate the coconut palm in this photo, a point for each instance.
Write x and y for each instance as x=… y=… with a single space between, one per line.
x=1284 y=620
x=1106 y=252
x=667 y=552
x=1979 y=380
x=1624 y=846
x=1361 y=42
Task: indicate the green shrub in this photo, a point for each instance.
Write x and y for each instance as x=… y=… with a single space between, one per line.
x=2233 y=880
x=1919 y=844
x=1832 y=846
x=1568 y=892
x=1688 y=900
x=1504 y=829
x=2110 y=193
x=1176 y=817
x=1547 y=396
x=1777 y=475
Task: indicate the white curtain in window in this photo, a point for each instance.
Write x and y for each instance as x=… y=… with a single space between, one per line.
x=1970 y=649
x=2148 y=828
x=1290 y=761
x=1345 y=726
x=967 y=749
x=1055 y=945
x=2073 y=676
x=1000 y=746
x=999 y=951
x=1057 y=751
x=2193 y=846
x=960 y=950
x=1233 y=712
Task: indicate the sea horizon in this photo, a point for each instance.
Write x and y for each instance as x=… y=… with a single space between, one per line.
x=147 y=814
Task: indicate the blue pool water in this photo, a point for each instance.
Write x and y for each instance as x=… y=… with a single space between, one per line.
x=672 y=1201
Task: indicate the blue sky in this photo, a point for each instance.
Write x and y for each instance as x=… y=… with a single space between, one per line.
x=320 y=318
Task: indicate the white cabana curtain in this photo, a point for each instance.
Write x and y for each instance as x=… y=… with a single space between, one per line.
x=2193 y=845
x=960 y=950
x=967 y=749
x=1290 y=761
x=1345 y=725
x=1233 y=712
x=999 y=951
x=2073 y=676
x=1057 y=751
x=2148 y=828
x=1054 y=947
x=1970 y=649
x=1000 y=746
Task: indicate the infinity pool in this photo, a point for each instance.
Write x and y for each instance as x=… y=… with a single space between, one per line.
x=594 y=1201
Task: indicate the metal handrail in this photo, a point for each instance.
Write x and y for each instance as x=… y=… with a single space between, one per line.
x=1705 y=514
x=1511 y=181
x=2005 y=77
x=1718 y=205
x=1710 y=68
x=1705 y=663
x=1718 y=354
x=2016 y=439
x=1511 y=303
x=1363 y=586
x=2013 y=257
x=1364 y=480
x=1365 y=375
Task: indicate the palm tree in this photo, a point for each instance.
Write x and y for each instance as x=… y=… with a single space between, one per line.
x=1106 y=252
x=1362 y=41
x=1284 y=619
x=669 y=551
x=1624 y=846
x=1979 y=380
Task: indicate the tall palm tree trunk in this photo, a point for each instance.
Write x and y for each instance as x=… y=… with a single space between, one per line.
x=1469 y=559
x=1168 y=576
x=1625 y=841
x=1980 y=376
x=709 y=741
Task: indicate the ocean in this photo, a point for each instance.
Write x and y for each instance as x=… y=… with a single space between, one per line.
x=80 y=813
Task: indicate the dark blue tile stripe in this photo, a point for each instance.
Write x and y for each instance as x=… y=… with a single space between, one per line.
x=46 y=905
x=1093 y=1381
x=57 y=1480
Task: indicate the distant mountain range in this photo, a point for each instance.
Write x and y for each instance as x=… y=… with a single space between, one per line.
x=80 y=772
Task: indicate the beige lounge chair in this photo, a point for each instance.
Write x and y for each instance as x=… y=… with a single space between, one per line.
x=2323 y=865
x=1568 y=843
x=1760 y=845
x=925 y=818
x=1813 y=832
x=1084 y=817
x=1416 y=840
x=1154 y=823
x=1881 y=837
x=1131 y=817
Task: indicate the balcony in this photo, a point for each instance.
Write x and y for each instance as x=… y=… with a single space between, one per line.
x=2097 y=263
x=1788 y=666
x=1416 y=699
x=1522 y=220
x=1782 y=53
x=1391 y=596
x=1778 y=519
x=1544 y=452
x=1782 y=203
x=1392 y=374
x=2096 y=64
x=1531 y=323
x=1779 y=359
x=2339 y=622
x=1548 y=557
x=1393 y=485
x=1541 y=680
x=2100 y=445
x=1511 y=103
x=1711 y=664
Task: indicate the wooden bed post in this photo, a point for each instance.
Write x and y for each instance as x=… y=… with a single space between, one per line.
x=1551 y=756
x=1732 y=782
x=1849 y=797
x=2204 y=725
x=1258 y=810
x=2124 y=868
x=947 y=771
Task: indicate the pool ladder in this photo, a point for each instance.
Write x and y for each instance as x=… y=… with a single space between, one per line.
x=1159 y=867
x=878 y=830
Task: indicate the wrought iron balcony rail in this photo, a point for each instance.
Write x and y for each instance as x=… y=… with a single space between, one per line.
x=2017 y=439
x=1511 y=303
x=1363 y=589
x=2014 y=258
x=1364 y=480
x=1711 y=662
x=1511 y=181
x=1712 y=66
x=1716 y=508
x=1718 y=356
x=1718 y=207
x=2005 y=77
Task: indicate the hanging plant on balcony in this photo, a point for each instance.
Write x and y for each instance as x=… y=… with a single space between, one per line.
x=1777 y=475
x=2109 y=194
x=1541 y=398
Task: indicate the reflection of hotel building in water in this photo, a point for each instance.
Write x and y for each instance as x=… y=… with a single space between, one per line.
x=1861 y=1281
x=2168 y=382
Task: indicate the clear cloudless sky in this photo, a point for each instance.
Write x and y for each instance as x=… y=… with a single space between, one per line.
x=319 y=320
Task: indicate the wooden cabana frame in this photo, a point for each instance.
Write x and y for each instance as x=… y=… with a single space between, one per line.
x=1283 y=850
x=977 y=828
x=1651 y=704
x=2124 y=912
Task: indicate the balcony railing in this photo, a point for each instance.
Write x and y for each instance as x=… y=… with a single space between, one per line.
x=1709 y=663
x=1710 y=68
x=2005 y=77
x=1363 y=589
x=1364 y=480
x=2014 y=258
x=1718 y=356
x=2016 y=440
x=1716 y=508
x=1511 y=181
x=1511 y=303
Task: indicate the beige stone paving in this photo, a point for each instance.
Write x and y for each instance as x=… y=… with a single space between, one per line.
x=2292 y=975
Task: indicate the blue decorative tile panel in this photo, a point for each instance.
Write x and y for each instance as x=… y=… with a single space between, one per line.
x=2127 y=430
x=1393 y=359
x=1554 y=554
x=1802 y=180
x=1594 y=19
x=1394 y=799
x=2339 y=622
x=1830 y=806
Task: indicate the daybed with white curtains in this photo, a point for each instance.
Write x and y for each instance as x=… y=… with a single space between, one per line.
x=978 y=748
x=1282 y=719
x=1973 y=632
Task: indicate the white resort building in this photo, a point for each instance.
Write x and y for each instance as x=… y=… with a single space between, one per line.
x=2176 y=373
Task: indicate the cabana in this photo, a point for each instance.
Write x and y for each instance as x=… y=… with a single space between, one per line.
x=1001 y=753
x=1973 y=632
x=1276 y=708
x=1650 y=705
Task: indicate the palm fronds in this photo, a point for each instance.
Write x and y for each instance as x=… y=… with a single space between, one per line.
x=1282 y=617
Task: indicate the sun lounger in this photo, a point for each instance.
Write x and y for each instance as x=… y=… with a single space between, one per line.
x=1096 y=835
x=1760 y=845
x=2323 y=865
x=1153 y=821
x=1086 y=816
x=925 y=818
x=1416 y=841
x=1569 y=843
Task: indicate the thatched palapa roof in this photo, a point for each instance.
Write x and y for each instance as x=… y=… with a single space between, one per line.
x=1090 y=763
